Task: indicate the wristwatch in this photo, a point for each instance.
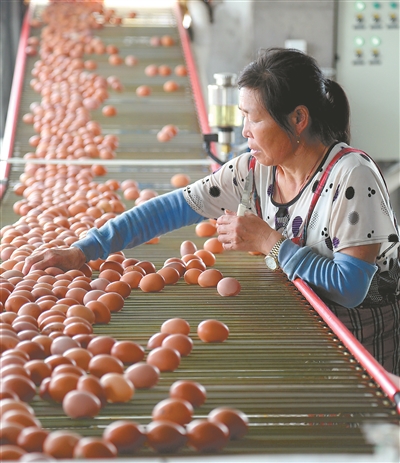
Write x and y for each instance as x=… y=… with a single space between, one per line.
x=271 y=260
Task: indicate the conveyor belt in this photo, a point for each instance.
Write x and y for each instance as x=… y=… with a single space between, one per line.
x=303 y=391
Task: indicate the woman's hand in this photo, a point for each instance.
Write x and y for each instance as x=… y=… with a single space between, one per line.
x=245 y=233
x=65 y=259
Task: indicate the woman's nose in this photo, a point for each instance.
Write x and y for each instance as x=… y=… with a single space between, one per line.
x=245 y=131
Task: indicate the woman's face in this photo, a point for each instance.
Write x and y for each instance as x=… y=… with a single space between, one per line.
x=268 y=142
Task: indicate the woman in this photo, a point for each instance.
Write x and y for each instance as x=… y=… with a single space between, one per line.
x=343 y=241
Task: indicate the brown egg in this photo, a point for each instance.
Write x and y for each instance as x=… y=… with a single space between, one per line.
x=195 y=263
x=191 y=276
x=155 y=41
x=22 y=386
x=9 y=433
x=164 y=358
x=206 y=256
x=113 y=265
x=143 y=90
x=235 y=420
x=131 y=193
x=180 y=342
x=55 y=360
x=151 y=283
x=143 y=375
x=31 y=439
x=156 y=340
x=165 y=436
x=115 y=59
x=102 y=364
x=12 y=404
x=109 y=111
x=212 y=331
x=228 y=287
x=207 y=436
x=170 y=86
x=94 y=448
x=163 y=136
x=209 y=278
x=131 y=60
x=94 y=294
x=180 y=266
x=128 y=352
x=8 y=341
x=151 y=70
x=62 y=344
x=213 y=245
x=20 y=417
x=117 y=387
x=45 y=341
x=176 y=410
x=101 y=345
x=38 y=370
x=132 y=278
x=81 y=404
x=102 y=314
x=164 y=70
x=147 y=266
x=187 y=247
x=61 y=384
x=61 y=444
x=180 y=70
x=113 y=301
x=110 y=274
x=81 y=311
x=170 y=275
x=167 y=41
x=11 y=452
x=175 y=325
x=80 y=356
x=76 y=325
x=120 y=287
x=92 y=384
x=205 y=229
x=191 y=391
x=127 y=436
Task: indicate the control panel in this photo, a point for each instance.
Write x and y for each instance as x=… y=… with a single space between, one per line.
x=368 y=49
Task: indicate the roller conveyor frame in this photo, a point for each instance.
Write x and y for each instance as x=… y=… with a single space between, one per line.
x=366 y=361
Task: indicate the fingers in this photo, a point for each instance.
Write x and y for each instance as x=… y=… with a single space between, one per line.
x=31 y=261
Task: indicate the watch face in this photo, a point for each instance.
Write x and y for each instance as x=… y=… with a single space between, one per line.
x=271 y=263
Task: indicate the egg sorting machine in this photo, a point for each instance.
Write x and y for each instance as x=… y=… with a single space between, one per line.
x=309 y=389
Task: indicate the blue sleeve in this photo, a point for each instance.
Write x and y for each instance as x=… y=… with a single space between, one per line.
x=140 y=224
x=344 y=279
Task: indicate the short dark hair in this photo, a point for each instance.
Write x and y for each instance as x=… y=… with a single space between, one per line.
x=285 y=79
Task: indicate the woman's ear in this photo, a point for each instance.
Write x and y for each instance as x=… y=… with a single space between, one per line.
x=300 y=118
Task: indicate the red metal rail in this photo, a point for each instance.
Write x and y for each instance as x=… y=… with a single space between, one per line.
x=14 y=103
x=374 y=368
x=192 y=70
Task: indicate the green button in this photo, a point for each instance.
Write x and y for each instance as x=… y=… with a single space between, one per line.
x=360 y=6
x=393 y=4
x=376 y=5
x=359 y=41
x=375 y=41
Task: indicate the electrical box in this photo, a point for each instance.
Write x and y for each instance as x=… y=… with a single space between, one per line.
x=368 y=50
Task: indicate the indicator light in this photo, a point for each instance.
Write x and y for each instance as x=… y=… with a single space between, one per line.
x=375 y=41
x=360 y=6
x=359 y=41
